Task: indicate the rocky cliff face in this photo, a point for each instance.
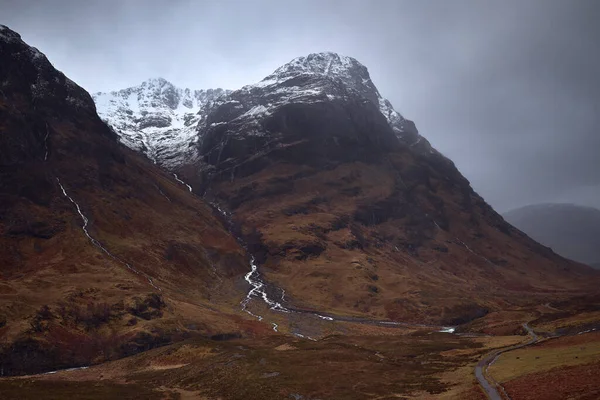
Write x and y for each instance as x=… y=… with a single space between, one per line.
x=336 y=70
x=311 y=79
x=157 y=119
x=165 y=122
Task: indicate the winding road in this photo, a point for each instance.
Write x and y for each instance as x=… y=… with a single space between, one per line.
x=488 y=384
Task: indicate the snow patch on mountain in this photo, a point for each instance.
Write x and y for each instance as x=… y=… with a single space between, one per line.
x=353 y=75
x=166 y=123
x=319 y=77
x=157 y=119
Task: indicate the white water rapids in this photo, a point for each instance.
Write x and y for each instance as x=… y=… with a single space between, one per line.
x=259 y=290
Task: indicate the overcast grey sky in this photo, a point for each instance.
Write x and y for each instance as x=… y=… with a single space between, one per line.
x=508 y=89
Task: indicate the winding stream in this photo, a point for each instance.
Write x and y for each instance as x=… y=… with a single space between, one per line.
x=182 y=182
x=97 y=243
x=258 y=288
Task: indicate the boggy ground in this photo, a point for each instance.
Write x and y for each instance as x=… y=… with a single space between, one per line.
x=385 y=363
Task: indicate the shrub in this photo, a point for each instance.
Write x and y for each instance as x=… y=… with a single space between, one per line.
x=148 y=308
x=41 y=320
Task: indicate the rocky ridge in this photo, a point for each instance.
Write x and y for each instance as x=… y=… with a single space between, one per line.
x=165 y=122
x=157 y=119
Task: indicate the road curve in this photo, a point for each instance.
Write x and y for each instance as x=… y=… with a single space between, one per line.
x=491 y=387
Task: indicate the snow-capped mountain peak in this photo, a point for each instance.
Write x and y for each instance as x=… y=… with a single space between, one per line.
x=327 y=63
x=156 y=118
x=167 y=123
x=314 y=78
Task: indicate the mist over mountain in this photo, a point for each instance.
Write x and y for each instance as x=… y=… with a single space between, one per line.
x=571 y=230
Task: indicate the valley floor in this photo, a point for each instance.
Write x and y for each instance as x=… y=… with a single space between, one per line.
x=387 y=363
x=349 y=361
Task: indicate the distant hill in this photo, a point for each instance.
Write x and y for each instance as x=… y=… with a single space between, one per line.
x=571 y=230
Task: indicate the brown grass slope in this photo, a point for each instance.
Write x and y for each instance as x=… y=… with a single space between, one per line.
x=63 y=300
x=347 y=219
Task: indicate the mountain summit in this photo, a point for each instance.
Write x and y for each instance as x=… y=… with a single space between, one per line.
x=156 y=118
x=164 y=122
x=353 y=75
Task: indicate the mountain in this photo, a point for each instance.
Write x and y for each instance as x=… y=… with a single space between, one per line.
x=156 y=118
x=102 y=254
x=161 y=120
x=347 y=213
x=572 y=231
x=347 y=209
x=301 y=81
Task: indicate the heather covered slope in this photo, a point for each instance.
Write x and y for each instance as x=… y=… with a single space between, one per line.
x=352 y=214
x=101 y=253
x=344 y=206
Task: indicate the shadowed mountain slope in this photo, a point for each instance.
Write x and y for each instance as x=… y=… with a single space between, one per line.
x=102 y=254
x=350 y=210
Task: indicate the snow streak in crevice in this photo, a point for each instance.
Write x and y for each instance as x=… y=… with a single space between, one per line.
x=163 y=193
x=97 y=243
x=46 y=142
